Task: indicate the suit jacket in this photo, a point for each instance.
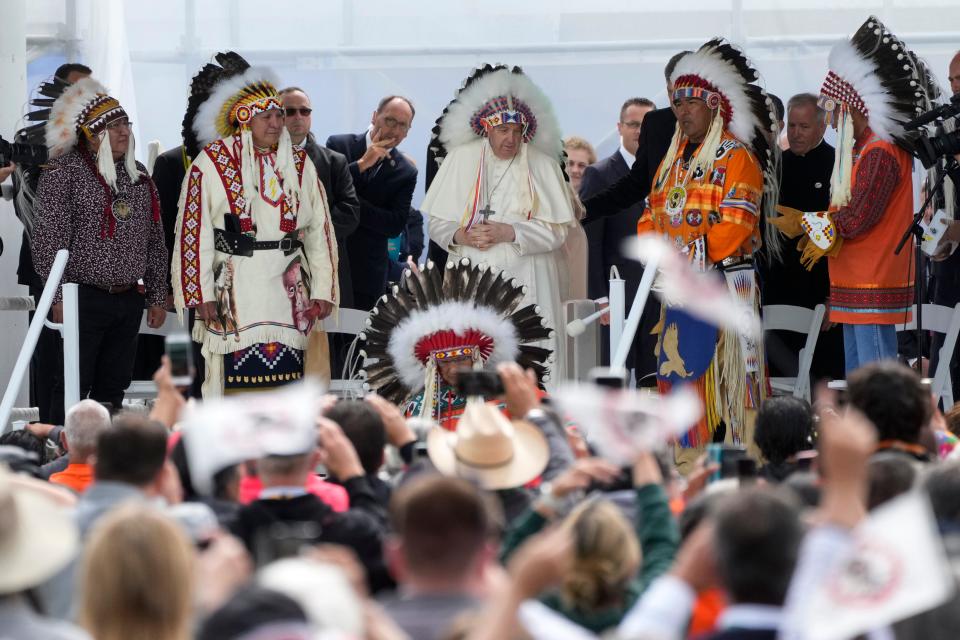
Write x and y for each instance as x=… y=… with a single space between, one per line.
x=334 y=173
x=168 y=174
x=385 y=193
x=655 y=136
x=606 y=235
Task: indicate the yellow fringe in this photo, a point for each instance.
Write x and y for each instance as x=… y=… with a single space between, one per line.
x=810 y=253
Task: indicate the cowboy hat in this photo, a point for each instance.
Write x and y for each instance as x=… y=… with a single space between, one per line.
x=489 y=448
x=37 y=536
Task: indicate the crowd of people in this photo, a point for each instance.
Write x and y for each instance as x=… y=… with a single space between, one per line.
x=349 y=521
x=458 y=499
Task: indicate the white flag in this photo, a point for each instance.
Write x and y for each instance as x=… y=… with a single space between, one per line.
x=623 y=423
x=703 y=295
x=896 y=568
x=221 y=432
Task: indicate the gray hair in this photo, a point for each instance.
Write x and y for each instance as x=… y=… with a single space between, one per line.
x=806 y=100
x=84 y=423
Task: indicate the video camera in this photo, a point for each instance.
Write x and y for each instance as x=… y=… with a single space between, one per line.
x=30 y=154
x=929 y=149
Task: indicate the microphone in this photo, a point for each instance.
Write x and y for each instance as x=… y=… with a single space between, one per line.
x=578 y=326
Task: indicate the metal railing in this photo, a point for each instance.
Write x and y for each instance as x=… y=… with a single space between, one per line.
x=71 y=340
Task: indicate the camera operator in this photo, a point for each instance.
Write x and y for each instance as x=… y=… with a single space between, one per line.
x=945 y=268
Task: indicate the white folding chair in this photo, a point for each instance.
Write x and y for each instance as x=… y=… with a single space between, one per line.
x=785 y=317
x=946 y=320
x=350 y=322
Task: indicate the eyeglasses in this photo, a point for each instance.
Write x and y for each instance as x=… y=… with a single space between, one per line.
x=632 y=124
x=292 y=111
x=119 y=124
x=393 y=123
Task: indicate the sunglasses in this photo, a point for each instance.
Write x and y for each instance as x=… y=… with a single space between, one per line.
x=292 y=111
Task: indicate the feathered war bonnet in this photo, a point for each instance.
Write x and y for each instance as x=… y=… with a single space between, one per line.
x=720 y=75
x=493 y=95
x=223 y=102
x=462 y=312
x=878 y=76
x=82 y=108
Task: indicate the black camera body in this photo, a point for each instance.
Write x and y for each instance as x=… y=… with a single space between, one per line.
x=21 y=153
x=486 y=384
x=941 y=144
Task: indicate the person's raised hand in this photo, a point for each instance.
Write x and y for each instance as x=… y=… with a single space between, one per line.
x=846 y=441
x=541 y=562
x=519 y=389
x=646 y=470
x=40 y=429
x=578 y=444
x=395 y=425
x=581 y=474
x=222 y=568
x=378 y=151
x=338 y=454
x=698 y=478
x=169 y=403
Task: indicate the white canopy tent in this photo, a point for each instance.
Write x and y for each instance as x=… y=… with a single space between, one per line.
x=588 y=57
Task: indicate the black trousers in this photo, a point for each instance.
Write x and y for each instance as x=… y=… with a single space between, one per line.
x=108 y=328
x=46 y=369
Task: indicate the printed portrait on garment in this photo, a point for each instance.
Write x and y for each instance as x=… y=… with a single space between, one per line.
x=226 y=320
x=296 y=282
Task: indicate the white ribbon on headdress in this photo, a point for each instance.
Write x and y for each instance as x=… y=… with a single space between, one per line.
x=106 y=165
x=705 y=156
x=285 y=167
x=842 y=174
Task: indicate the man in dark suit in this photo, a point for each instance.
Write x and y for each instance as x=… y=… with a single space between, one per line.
x=805 y=185
x=334 y=174
x=605 y=236
x=384 y=181
x=655 y=136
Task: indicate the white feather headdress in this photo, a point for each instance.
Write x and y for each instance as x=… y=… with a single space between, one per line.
x=458 y=126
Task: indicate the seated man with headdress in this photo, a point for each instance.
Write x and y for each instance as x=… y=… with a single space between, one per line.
x=255 y=251
x=438 y=325
x=500 y=196
x=706 y=200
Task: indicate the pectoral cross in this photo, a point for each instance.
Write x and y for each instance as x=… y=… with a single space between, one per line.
x=486 y=213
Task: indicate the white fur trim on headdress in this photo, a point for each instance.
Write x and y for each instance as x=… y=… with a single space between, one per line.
x=61 y=129
x=709 y=65
x=449 y=316
x=210 y=112
x=455 y=127
x=861 y=74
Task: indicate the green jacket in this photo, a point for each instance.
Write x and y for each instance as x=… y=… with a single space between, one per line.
x=659 y=539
